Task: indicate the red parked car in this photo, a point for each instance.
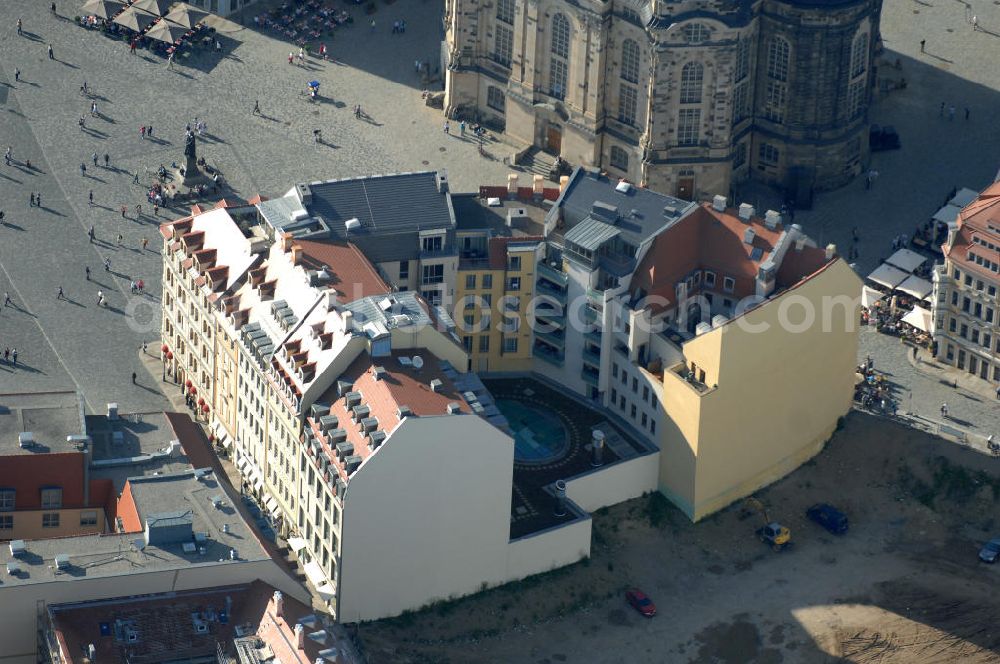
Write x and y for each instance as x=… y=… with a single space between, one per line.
x=640 y=602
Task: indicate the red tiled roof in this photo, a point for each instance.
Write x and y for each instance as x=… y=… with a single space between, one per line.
x=257 y=199
x=354 y=276
x=401 y=386
x=974 y=221
x=128 y=512
x=711 y=240
x=28 y=474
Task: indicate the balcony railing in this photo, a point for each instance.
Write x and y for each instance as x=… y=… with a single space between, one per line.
x=592 y=358
x=554 y=338
x=552 y=274
x=590 y=377
x=545 y=354
x=546 y=288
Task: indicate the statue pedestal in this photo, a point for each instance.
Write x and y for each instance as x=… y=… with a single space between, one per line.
x=192 y=174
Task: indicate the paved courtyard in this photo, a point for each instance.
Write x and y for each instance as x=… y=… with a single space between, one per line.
x=71 y=342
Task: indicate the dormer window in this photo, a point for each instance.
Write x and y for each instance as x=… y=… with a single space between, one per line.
x=432 y=244
x=728 y=284
x=710 y=279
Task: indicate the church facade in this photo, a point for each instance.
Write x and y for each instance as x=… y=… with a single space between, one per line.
x=687 y=98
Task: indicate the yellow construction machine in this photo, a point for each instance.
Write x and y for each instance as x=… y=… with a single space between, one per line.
x=771 y=533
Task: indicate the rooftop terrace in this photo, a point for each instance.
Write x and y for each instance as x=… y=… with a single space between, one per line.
x=49 y=416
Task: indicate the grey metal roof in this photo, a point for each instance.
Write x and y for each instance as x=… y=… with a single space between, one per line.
x=642 y=213
x=591 y=233
x=392 y=209
x=370 y=309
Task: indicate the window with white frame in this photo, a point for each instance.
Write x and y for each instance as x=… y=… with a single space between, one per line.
x=688 y=126
x=777 y=59
x=619 y=158
x=557 y=79
x=630 y=61
x=741 y=101
x=774 y=102
x=742 y=68
x=859 y=55
x=768 y=153
x=505 y=11
x=627 y=102
x=692 y=78
x=695 y=33
x=495 y=99
x=503 y=45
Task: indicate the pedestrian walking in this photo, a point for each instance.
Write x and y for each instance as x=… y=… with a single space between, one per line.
x=31 y=199
x=416 y=66
x=951 y=112
x=19 y=26
x=51 y=56
x=54 y=9
x=138 y=210
x=60 y=295
x=256 y=107
x=149 y=131
x=107 y=160
x=93 y=109
x=402 y=26
x=87 y=269
x=38 y=199
x=975 y=23
x=107 y=265
x=133 y=378
x=156 y=210
x=91 y=234
x=83 y=170
x=6 y=299
x=93 y=158
x=998 y=391
x=302 y=55
x=966 y=112
x=17 y=75
x=82 y=123
x=941 y=110
x=461 y=128
x=372 y=24
x=291 y=57
x=6 y=354
x=923 y=42
x=1 y=218
x=447 y=127
x=135 y=178
x=100 y=298
x=13 y=356
x=170 y=61
x=142 y=132
x=124 y=210
x=944 y=410
x=145 y=243
x=120 y=238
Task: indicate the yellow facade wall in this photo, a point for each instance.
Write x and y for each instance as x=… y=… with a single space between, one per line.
x=772 y=399
x=28 y=523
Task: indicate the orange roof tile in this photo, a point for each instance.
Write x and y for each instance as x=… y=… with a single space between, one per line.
x=354 y=276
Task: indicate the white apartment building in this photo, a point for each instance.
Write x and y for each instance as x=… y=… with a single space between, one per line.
x=966 y=304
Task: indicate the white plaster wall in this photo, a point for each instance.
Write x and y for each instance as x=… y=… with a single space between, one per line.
x=548 y=550
x=613 y=484
x=18 y=603
x=427 y=517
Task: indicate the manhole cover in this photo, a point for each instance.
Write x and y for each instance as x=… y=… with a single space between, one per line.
x=425 y=163
x=442 y=149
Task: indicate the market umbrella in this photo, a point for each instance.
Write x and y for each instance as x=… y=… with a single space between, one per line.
x=134 y=19
x=101 y=8
x=165 y=31
x=186 y=15
x=158 y=7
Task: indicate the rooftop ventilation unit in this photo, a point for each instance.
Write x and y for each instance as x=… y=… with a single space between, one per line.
x=117 y=438
x=604 y=211
x=352 y=224
x=353 y=399
x=493 y=202
x=78 y=441
x=772 y=219
x=746 y=211
x=13 y=568
x=623 y=187
x=351 y=463
x=376 y=438
x=404 y=411
x=719 y=203
x=385 y=304
x=112 y=411
x=18 y=548
x=401 y=320
x=718 y=320
x=61 y=561
x=436 y=385
x=217 y=502
x=380 y=373
x=26 y=439
x=671 y=211
x=749 y=235
x=702 y=328
x=405 y=361
x=453 y=408
x=418 y=362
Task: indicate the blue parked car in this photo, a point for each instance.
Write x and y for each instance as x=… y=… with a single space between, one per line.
x=990 y=552
x=829 y=517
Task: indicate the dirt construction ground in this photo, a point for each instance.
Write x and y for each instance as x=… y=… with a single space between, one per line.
x=903 y=586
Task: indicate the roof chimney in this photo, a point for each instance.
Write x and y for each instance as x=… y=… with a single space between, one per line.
x=512 y=185
x=454 y=408
x=436 y=385
x=560 y=498
x=300 y=636
x=749 y=235
x=279 y=604
x=772 y=219
x=719 y=203
x=296 y=254
x=442 y=182
x=286 y=241
x=538 y=185
x=831 y=251
x=598 y=445
x=746 y=211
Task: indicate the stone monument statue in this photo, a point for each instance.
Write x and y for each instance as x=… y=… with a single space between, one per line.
x=192 y=174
